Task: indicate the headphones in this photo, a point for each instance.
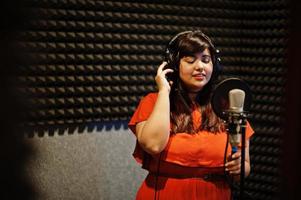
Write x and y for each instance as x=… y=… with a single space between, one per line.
x=172 y=54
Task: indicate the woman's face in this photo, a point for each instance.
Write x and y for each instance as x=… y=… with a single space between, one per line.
x=195 y=71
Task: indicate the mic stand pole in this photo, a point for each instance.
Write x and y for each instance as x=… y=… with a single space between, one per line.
x=243 y=151
x=240 y=127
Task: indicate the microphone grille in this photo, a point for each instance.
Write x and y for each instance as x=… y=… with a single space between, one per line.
x=236 y=100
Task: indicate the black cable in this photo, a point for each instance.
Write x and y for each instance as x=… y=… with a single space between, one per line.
x=156 y=178
x=228 y=178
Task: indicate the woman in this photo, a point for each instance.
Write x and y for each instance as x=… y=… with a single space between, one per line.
x=180 y=141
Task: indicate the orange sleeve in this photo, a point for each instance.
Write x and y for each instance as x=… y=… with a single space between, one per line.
x=141 y=114
x=143 y=111
x=249 y=130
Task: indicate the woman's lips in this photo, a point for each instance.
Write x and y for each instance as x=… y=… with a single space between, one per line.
x=199 y=76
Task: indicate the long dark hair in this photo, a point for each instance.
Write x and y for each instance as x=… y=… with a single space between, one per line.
x=187 y=44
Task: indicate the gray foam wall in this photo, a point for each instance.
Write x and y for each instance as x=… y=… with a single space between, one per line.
x=94 y=165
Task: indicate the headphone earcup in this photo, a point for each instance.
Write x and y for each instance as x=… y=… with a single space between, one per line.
x=169 y=59
x=218 y=60
x=217 y=67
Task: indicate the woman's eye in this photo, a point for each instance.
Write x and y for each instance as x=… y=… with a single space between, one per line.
x=206 y=59
x=190 y=60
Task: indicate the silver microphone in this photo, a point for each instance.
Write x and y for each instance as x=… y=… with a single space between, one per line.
x=236 y=105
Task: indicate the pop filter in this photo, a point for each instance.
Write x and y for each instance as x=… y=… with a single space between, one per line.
x=220 y=97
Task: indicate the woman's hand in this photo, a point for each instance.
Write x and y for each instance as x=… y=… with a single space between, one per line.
x=233 y=165
x=160 y=78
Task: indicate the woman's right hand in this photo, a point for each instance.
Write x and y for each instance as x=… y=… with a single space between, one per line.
x=160 y=78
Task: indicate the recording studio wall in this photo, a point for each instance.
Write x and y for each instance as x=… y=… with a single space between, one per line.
x=89 y=63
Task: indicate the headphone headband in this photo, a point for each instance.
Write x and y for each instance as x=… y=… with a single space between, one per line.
x=197 y=31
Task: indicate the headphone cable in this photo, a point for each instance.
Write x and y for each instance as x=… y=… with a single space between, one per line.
x=156 y=178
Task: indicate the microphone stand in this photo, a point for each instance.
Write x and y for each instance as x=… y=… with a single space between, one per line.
x=243 y=152
x=242 y=118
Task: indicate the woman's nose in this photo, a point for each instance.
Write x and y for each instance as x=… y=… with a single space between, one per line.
x=199 y=65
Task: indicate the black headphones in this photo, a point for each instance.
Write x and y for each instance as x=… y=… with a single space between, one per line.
x=172 y=53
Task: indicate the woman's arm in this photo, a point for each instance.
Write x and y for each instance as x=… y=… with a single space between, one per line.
x=153 y=134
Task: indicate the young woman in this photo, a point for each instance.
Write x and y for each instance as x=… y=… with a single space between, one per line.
x=180 y=141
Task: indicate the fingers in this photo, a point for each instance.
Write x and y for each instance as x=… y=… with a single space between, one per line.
x=160 y=70
x=167 y=71
x=162 y=82
x=233 y=166
x=233 y=169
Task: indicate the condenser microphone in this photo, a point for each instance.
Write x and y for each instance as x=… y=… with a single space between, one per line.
x=231 y=101
x=235 y=111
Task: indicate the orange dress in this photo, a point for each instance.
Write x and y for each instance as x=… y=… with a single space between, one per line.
x=180 y=171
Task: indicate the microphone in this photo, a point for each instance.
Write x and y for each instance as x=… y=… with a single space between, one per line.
x=235 y=113
x=231 y=102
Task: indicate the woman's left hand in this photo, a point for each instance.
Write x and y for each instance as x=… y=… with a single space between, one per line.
x=233 y=165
